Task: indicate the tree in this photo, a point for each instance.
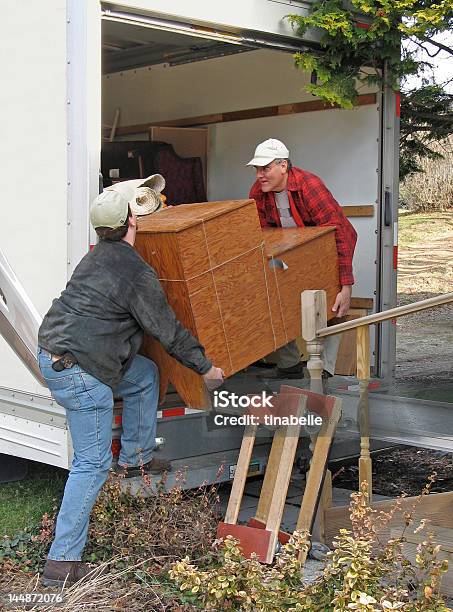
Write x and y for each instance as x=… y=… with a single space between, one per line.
x=365 y=42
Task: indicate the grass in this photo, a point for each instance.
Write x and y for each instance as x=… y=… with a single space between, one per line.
x=425 y=253
x=23 y=503
x=421 y=227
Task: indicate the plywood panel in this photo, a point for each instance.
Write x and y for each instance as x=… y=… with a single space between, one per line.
x=442 y=536
x=242 y=295
x=435 y=507
x=208 y=321
x=310 y=256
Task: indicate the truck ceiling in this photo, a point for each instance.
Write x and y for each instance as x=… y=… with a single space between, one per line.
x=131 y=40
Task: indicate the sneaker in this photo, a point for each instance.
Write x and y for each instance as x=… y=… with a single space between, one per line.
x=154 y=466
x=59 y=573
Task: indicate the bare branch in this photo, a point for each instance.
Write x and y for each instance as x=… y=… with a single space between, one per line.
x=436 y=44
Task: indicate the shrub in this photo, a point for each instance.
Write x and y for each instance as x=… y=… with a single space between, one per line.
x=431 y=189
x=165 y=525
x=26 y=550
x=133 y=529
x=354 y=578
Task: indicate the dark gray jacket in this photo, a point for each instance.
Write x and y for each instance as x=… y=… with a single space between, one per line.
x=112 y=296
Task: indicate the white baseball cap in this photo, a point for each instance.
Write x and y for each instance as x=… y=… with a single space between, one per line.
x=109 y=209
x=267 y=151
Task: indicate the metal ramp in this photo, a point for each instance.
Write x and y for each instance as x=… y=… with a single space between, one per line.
x=402 y=420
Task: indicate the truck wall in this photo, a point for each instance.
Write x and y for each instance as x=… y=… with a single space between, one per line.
x=340 y=146
x=33 y=157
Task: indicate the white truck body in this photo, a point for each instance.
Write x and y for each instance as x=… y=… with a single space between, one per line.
x=52 y=120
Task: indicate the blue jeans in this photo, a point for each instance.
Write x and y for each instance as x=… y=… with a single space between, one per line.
x=89 y=409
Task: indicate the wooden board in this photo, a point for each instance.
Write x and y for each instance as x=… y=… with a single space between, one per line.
x=361 y=302
x=250 y=113
x=310 y=258
x=442 y=536
x=365 y=210
x=213 y=262
x=347 y=354
x=435 y=507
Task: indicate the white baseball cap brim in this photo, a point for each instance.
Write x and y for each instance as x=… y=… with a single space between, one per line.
x=261 y=160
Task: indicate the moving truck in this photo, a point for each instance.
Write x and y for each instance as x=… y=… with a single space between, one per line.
x=77 y=72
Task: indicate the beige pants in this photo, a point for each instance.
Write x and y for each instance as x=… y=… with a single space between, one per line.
x=289 y=355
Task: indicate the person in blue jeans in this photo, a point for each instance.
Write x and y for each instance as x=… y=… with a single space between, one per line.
x=88 y=344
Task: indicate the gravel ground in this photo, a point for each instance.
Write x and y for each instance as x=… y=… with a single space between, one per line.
x=425 y=269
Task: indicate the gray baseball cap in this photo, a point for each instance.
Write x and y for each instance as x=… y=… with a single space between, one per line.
x=109 y=209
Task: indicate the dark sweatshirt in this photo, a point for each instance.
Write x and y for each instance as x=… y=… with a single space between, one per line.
x=111 y=298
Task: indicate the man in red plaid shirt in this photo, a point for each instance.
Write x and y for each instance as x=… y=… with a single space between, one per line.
x=287 y=196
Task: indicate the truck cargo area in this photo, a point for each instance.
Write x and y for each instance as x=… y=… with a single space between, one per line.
x=203 y=95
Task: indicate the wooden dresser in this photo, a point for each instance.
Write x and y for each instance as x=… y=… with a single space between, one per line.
x=234 y=286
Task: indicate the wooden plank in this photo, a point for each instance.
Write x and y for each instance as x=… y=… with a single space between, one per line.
x=284 y=469
x=251 y=113
x=346 y=364
x=446 y=584
x=325 y=501
x=359 y=211
x=270 y=476
x=240 y=115
x=435 y=507
x=442 y=535
x=363 y=353
x=315 y=476
x=200 y=120
x=277 y=504
x=360 y=302
x=314 y=315
x=284 y=404
x=319 y=105
x=240 y=475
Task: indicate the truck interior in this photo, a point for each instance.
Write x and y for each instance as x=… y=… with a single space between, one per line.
x=149 y=126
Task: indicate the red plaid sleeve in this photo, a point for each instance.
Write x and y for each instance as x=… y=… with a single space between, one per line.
x=325 y=210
